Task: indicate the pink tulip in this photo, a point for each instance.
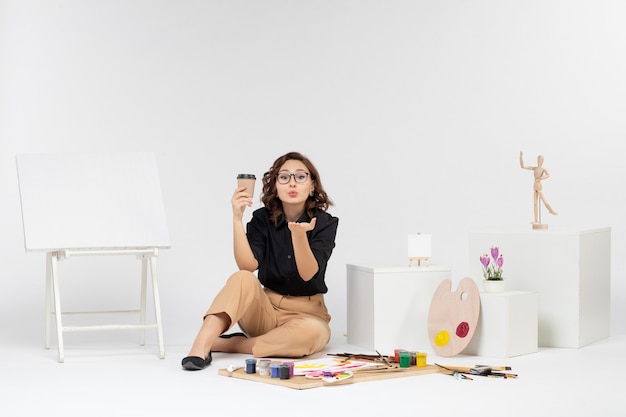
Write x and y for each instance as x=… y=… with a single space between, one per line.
x=492 y=270
x=485 y=260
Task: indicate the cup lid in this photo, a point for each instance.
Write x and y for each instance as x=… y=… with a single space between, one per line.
x=250 y=176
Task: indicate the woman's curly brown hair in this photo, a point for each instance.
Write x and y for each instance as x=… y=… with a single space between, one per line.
x=319 y=199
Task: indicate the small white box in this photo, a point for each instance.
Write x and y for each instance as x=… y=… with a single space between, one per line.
x=507 y=326
x=388 y=306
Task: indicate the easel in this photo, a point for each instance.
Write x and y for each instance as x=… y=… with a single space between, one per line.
x=94 y=205
x=418 y=259
x=418 y=248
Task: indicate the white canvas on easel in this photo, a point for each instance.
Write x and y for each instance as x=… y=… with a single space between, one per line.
x=91 y=201
x=77 y=204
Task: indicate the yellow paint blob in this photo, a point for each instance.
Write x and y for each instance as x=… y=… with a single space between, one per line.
x=442 y=338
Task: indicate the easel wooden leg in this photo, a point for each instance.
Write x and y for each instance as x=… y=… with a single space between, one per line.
x=48 y=298
x=54 y=278
x=142 y=301
x=157 y=306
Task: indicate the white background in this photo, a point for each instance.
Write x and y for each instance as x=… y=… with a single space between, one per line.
x=413 y=111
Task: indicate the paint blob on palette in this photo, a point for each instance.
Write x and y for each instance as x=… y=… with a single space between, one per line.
x=453 y=316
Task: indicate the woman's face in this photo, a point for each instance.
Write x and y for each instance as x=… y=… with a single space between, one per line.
x=293 y=183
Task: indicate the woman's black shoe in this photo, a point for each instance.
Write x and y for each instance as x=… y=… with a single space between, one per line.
x=196 y=363
x=237 y=334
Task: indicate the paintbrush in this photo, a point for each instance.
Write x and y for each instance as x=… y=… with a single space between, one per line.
x=454 y=373
x=361 y=356
x=463 y=369
x=495 y=368
x=384 y=359
x=478 y=369
x=383 y=369
x=501 y=375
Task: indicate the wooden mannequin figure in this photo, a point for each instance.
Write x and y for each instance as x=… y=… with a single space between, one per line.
x=540 y=174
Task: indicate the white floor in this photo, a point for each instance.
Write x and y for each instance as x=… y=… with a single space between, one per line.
x=123 y=379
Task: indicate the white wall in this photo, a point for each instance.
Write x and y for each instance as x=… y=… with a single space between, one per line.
x=413 y=111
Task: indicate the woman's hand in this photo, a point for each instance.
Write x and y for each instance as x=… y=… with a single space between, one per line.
x=296 y=227
x=240 y=200
x=305 y=261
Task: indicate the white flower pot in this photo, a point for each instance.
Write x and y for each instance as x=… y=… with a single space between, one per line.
x=493 y=286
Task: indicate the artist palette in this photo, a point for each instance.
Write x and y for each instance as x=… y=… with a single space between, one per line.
x=453 y=316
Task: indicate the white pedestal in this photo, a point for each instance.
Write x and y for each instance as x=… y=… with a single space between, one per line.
x=388 y=307
x=570 y=270
x=507 y=325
